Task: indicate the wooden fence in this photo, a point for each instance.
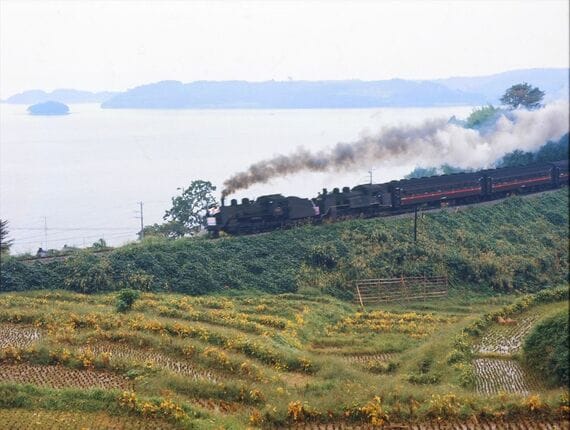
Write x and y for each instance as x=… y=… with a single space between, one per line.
x=373 y=291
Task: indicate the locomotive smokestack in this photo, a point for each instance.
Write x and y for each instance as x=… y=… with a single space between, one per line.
x=434 y=141
x=223 y=200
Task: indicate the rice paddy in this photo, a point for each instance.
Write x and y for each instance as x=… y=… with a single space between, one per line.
x=286 y=361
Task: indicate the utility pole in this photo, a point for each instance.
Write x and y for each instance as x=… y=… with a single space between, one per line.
x=415 y=224
x=45 y=232
x=142 y=222
x=370 y=174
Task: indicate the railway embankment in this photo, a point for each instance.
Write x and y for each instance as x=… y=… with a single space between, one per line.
x=516 y=244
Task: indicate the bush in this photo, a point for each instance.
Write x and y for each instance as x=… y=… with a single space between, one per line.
x=125 y=299
x=323 y=256
x=88 y=273
x=483 y=116
x=546 y=349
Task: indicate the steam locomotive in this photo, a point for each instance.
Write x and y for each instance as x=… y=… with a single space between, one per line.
x=275 y=211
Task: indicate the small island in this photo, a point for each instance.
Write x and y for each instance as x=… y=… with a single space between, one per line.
x=49 y=108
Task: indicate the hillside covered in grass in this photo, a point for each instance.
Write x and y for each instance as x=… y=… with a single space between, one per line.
x=517 y=244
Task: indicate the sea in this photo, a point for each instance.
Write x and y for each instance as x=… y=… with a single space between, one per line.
x=74 y=179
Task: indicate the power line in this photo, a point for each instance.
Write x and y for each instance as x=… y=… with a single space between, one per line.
x=16 y=241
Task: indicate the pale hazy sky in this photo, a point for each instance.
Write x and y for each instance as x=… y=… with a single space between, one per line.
x=115 y=45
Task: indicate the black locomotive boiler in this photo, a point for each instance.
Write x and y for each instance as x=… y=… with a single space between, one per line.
x=275 y=211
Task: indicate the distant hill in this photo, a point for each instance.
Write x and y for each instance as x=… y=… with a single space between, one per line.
x=289 y=94
x=554 y=82
x=49 y=108
x=61 y=95
x=336 y=94
x=477 y=90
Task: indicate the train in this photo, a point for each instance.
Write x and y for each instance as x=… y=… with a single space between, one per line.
x=276 y=211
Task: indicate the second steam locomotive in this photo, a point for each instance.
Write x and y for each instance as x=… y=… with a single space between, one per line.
x=275 y=211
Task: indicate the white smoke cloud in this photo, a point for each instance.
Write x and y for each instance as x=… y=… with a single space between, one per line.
x=433 y=143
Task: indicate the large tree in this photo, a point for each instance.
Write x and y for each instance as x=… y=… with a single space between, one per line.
x=5 y=244
x=189 y=209
x=523 y=95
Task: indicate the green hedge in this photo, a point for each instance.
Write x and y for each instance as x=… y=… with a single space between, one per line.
x=518 y=244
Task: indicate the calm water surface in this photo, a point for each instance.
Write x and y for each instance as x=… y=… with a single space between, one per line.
x=82 y=174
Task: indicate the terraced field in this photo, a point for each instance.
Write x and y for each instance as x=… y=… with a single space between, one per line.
x=61 y=377
x=460 y=425
x=367 y=358
x=151 y=358
x=496 y=376
x=504 y=374
x=288 y=361
x=19 y=419
x=13 y=336
x=507 y=339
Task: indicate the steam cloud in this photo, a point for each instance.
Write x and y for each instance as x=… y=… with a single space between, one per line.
x=434 y=142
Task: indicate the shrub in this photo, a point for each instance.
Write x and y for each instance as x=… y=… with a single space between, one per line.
x=546 y=349
x=323 y=256
x=88 y=273
x=125 y=299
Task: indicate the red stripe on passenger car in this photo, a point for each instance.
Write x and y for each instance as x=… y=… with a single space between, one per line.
x=521 y=182
x=440 y=193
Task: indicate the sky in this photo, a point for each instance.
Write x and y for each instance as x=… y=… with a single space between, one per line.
x=116 y=45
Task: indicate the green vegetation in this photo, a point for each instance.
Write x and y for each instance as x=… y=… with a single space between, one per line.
x=278 y=343
x=446 y=169
x=188 y=211
x=522 y=95
x=551 y=151
x=547 y=349
x=483 y=116
x=256 y=361
x=519 y=244
x=5 y=243
x=126 y=298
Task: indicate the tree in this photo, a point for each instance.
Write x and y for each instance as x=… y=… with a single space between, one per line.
x=4 y=243
x=189 y=209
x=516 y=158
x=171 y=229
x=523 y=95
x=482 y=116
x=554 y=151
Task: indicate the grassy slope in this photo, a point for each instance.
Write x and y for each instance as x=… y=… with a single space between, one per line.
x=286 y=356
x=518 y=244
x=276 y=357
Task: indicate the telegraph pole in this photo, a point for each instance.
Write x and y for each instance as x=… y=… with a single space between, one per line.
x=370 y=174
x=415 y=224
x=45 y=232
x=142 y=222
